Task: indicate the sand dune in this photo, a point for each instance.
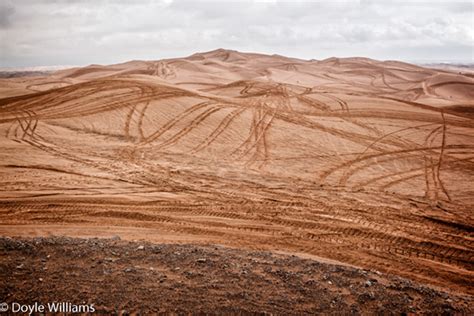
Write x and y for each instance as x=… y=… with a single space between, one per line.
x=366 y=162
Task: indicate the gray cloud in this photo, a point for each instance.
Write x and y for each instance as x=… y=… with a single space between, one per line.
x=83 y=31
x=6 y=13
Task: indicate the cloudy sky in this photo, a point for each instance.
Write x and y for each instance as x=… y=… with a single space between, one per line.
x=80 y=32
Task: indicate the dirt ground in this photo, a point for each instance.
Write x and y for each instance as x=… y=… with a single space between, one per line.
x=363 y=162
x=129 y=277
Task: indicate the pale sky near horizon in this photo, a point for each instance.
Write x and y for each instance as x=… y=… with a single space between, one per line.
x=80 y=32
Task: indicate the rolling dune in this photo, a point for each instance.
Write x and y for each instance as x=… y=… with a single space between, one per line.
x=365 y=162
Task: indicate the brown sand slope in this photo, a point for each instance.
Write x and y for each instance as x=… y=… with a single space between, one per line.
x=366 y=162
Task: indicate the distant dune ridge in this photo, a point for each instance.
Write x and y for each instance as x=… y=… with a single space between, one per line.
x=366 y=162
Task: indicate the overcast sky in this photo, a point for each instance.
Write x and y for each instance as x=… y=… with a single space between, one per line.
x=79 y=32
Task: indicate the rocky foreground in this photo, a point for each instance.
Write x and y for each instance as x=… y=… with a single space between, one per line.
x=137 y=277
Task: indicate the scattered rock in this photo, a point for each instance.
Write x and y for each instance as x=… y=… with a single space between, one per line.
x=141 y=247
x=314 y=287
x=310 y=282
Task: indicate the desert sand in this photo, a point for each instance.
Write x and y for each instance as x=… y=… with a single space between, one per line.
x=351 y=160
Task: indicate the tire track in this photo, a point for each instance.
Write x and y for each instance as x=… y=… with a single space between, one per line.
x=140 y=120
x=193 y=124
x=440 y=159
x=259 y=145
x=219 y=130
x=171 y=123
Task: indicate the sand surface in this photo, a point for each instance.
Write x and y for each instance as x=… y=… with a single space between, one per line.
x=364 y=162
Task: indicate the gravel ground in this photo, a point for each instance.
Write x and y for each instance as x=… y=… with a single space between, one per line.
x=124 y=277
